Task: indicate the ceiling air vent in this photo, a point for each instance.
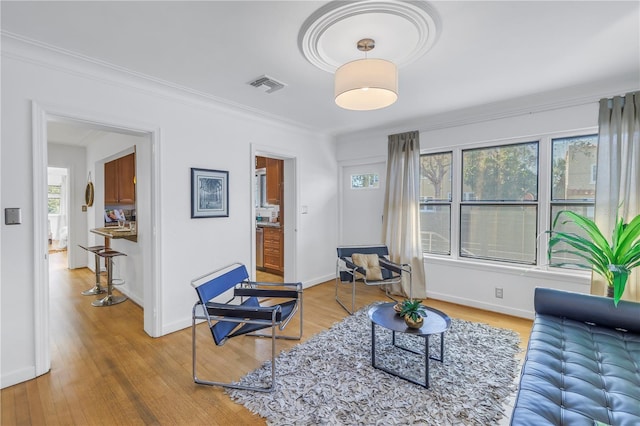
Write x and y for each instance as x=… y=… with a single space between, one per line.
x=266 y=82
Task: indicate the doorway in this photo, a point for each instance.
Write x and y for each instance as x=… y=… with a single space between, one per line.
x=273 y=217
x=151 y=277
x=270 y=219
x=58 y=211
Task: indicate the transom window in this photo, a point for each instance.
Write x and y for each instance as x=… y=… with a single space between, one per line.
x=365 y=180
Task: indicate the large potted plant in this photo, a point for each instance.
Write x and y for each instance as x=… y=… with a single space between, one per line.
x=613 y=260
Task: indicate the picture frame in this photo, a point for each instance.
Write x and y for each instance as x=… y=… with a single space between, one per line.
x=209 y=193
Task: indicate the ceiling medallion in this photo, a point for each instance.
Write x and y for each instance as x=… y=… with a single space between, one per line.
x=404 y=31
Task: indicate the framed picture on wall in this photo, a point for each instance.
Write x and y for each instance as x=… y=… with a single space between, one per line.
x=209 y=193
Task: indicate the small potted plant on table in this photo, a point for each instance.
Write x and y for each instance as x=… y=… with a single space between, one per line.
x=413 y=312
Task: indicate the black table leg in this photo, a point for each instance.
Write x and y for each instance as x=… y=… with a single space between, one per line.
x=426 y=361
x=373 y=344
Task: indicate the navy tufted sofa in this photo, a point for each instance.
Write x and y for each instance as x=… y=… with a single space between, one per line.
x=582 y=365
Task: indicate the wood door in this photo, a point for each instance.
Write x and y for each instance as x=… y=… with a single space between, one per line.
x=274 y=180
x=111 y=182
x=273 y=250
x=127 y=179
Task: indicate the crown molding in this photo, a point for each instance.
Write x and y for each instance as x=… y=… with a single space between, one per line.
x=568 y=97
x=55 y=58
x=26 y=50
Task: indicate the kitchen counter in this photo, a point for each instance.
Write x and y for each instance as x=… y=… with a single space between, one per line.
x=268 y=224
x=114 y=232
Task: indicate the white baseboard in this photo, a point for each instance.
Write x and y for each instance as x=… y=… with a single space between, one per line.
x=125 y=290
x=18 y=376
x=318 y=280
x=521 y=313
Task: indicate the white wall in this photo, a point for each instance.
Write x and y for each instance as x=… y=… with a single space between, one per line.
x=192 y=132
x=472 y=283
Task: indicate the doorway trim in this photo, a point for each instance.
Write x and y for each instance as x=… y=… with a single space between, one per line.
x=291 y=197
x=41 y=114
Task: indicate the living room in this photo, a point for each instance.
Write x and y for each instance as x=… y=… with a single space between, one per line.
x=44 y=78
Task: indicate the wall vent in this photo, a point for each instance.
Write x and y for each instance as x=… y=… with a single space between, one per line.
x=266 y=82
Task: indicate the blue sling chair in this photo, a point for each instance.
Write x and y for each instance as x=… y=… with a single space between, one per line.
x=348 y=272
x=243 y=313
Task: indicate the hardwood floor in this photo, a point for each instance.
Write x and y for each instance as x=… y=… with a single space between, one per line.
x=267 y=277
x=105 y=370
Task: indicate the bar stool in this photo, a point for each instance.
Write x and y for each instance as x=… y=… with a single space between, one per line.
x=109 y=299
x=97 y=289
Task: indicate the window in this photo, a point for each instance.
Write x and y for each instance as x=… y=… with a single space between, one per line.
x=367 y=180
x=498 y=212
x=435 y=202
x=54 y=199
x=573 y=182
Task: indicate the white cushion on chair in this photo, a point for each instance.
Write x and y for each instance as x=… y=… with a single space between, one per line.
x=370 y=263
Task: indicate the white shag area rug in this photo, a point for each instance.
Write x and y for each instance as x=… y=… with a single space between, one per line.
x=329 y=380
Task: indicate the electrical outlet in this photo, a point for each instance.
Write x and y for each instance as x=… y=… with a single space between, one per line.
x=499 y=292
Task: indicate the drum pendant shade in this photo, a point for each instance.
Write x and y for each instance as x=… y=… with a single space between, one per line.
x=366 y=84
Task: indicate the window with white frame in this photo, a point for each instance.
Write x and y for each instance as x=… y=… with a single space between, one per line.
x=499 y=220
x=365 y=180
x=435 y=202
x=573 y=183
x=53 y=201
x=497 y=198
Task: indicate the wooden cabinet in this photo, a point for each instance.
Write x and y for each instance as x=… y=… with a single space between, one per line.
x=261 y=162
x=110 y=187
x=274 y=180
x=119 y=180
x=273 y=250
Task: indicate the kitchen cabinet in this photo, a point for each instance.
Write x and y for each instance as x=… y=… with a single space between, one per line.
x=120 y=180
x=273 y=250
x=274 y=180
x=261 y=162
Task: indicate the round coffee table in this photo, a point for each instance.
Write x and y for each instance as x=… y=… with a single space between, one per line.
x=436 y=322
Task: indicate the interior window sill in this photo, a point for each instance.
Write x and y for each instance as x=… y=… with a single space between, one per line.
x=545 y=272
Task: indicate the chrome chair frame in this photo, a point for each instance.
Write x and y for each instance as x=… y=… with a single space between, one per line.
x=97 y=288
x=345 y=268
x=247 y=317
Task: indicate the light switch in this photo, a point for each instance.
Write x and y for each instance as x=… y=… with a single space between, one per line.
x=305 y=209
x=12 y=216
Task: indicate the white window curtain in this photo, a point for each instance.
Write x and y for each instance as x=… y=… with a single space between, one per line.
x=401 y=223
x=618 y=174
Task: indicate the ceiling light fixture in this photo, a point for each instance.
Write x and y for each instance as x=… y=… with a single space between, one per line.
x=366 y=84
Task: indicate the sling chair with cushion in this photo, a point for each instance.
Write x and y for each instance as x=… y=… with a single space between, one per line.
x=367 y=264
x=243 y=313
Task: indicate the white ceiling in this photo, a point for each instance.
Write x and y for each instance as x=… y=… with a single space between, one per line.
x=486 y=53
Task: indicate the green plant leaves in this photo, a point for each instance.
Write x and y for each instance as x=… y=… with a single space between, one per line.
x=613 y=261
x=413 y=309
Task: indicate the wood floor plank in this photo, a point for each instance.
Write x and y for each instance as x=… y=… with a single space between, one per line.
x=106 y=370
